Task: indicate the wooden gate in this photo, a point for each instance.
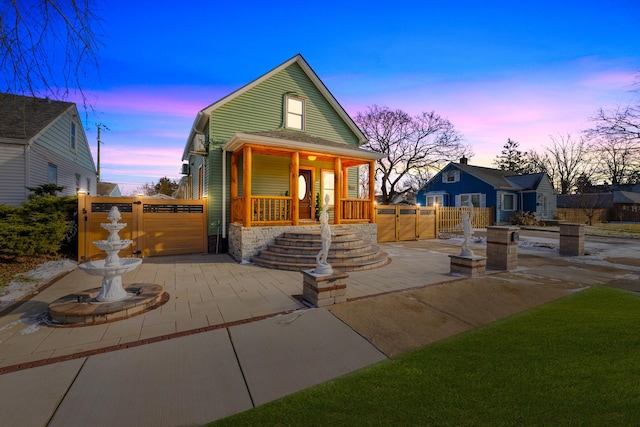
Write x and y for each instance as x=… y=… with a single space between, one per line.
x=397 y=222
x=156 y=226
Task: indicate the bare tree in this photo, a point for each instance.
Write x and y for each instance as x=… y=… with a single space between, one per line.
x=619 y=124
x=410 y=144
x=617 y=160
x=47 y=47
x=564 y=160
x=615 y=137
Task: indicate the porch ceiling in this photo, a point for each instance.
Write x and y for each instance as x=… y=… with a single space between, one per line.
x=283 y=143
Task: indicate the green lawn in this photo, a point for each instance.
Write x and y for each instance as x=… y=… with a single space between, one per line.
x=572 y=362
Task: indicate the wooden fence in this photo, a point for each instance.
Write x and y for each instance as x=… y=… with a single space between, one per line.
x=401 y=223
x=155 y=226
x=450 y=217
x=579 y=216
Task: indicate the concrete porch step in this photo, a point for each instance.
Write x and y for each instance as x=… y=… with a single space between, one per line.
x=379 y=260
x=298 y=251
x=310 y=257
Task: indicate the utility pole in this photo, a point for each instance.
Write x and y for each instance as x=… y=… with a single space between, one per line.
x=100 y=126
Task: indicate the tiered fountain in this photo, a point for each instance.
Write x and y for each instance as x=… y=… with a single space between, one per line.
x=111 y=301
x=112 y=268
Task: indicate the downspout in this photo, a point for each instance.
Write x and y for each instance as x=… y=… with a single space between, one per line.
x=224 y=194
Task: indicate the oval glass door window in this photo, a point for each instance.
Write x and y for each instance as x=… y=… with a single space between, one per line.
x=302 y=187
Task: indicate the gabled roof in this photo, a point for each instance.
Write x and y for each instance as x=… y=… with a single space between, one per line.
x=590 y=200
x=23 y=117
x=626 y=197
x=525 y=182
x=493 y=177
x=500 y=179
x=107 y=189
x=201 y=118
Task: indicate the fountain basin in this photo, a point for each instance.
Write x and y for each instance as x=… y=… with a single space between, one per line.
x=98 y=268
x=112 y=245
x=81 y=308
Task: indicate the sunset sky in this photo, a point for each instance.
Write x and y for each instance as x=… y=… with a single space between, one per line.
x=496 y=70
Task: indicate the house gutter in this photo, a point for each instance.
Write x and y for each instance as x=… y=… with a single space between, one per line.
x=224 y=194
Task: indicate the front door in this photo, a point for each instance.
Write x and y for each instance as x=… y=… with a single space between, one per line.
x=305 y=194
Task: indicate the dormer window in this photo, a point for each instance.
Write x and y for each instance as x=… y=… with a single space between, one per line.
x=451 y=176
x=294 y=109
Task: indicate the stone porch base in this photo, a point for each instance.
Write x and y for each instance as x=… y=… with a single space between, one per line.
x=245 y=242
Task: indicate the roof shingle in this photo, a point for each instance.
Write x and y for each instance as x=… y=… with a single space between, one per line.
x=22 y=117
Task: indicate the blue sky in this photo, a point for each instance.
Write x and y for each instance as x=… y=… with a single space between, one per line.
x=496 y=70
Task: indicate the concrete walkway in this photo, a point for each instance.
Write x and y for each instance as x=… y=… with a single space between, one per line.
x=234 y=336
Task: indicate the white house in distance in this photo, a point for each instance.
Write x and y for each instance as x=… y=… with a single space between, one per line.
x=42 y=142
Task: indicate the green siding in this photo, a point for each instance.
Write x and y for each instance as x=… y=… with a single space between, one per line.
x=273 y=173
x=261 y=109
x=214 y=184
x=353 y=182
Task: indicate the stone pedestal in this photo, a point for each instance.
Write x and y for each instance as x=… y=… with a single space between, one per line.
x=323 y=290
x=572 y=239
x=502 y=247
x=473 y=266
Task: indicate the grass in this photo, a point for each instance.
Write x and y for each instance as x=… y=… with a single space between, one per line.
x=614 y=229
x=572 y=362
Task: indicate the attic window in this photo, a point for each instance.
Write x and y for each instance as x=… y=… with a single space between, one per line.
x=451 y=176
x=294 y=113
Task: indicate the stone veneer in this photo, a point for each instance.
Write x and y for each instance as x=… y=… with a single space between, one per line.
x=245 y=242
x=502 y=247
x=572 y=239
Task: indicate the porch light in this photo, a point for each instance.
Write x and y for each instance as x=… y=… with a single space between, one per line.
x=312 y=158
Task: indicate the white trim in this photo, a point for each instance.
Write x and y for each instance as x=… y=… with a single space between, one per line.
x=288 y=112
x=513 y=204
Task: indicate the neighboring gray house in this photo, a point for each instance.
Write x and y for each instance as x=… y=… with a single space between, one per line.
x=42 y=141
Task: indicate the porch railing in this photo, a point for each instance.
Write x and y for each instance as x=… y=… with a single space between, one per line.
x=265 y=210
x=273 y=210
x=270 y=209
x=355 y=210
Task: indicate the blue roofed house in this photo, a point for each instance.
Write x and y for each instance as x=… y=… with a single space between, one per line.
x=42 y=142
x=459 y=184
x=265 y=154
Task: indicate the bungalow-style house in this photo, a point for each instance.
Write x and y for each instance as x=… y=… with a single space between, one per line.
x=42 y=142
x=460 y=184
x=264 y=155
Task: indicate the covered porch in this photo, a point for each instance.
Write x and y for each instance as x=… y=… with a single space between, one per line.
x=278 y=177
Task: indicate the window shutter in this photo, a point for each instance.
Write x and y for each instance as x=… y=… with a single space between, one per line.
x=457 y=200
x=483 y=200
